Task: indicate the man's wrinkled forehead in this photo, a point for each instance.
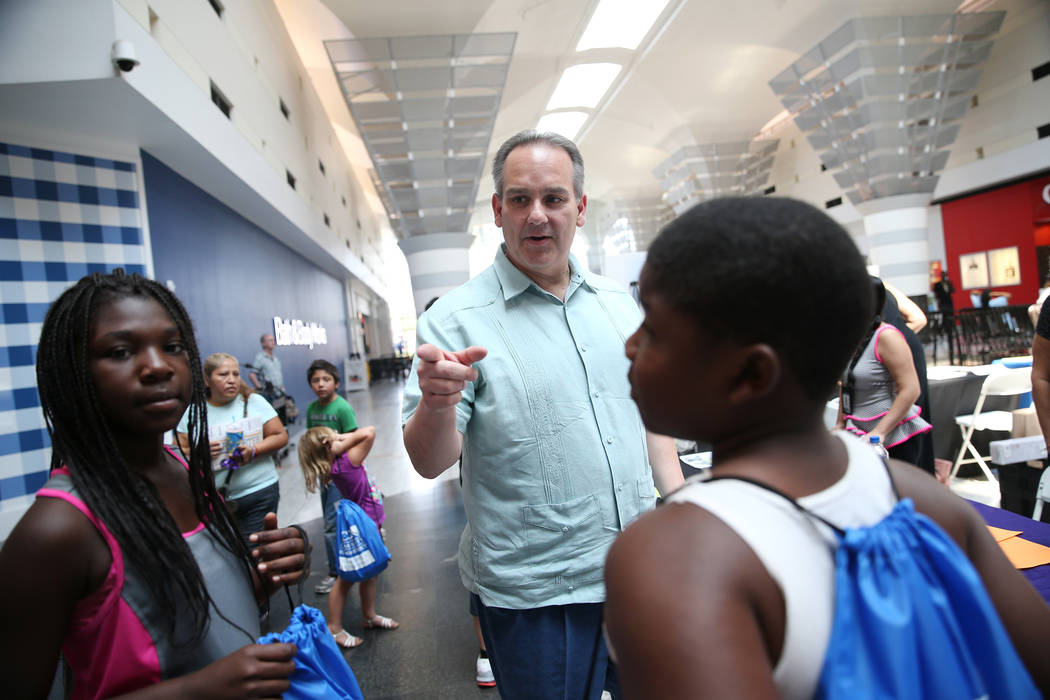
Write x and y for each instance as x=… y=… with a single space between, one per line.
x=528 y=158
x=514 y=190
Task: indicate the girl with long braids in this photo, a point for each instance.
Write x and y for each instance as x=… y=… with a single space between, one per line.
x=128 y=561
x=881 y=386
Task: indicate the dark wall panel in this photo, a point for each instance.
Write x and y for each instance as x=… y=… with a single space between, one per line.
x=234 y=278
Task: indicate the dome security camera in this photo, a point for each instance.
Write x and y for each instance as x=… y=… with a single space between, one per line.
x=124 y=55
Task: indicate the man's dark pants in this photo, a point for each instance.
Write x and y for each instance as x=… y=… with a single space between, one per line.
x=553 y=652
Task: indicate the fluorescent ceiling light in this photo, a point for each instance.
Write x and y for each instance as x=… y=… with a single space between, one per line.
x=620 y=24
x=583 y=85
x=565 y=123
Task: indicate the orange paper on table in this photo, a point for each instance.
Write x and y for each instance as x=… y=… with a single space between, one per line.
x=1000 y=534
x=1024 y=554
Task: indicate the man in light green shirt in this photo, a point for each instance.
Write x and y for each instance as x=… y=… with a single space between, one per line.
x=522 y=372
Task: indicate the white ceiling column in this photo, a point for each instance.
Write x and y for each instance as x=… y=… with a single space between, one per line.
x=437 y=262
x=896 y=229
x=881 y=100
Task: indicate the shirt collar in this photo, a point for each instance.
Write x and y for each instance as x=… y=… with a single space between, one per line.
x=513 y=281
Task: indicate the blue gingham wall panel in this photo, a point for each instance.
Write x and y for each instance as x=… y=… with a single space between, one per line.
x=62 y=216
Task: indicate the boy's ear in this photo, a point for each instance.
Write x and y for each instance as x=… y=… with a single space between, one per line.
x=758 y=373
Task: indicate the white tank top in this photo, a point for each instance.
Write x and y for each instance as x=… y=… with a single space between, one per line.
x=798 y=551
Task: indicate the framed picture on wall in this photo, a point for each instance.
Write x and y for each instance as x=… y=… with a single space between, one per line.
x=973 y=269
x=1004 y=267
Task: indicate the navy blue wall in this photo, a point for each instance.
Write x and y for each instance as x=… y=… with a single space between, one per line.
x=234 y=278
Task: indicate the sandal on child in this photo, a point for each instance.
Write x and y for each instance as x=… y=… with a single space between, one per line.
x=346 y=640
x=381 y=623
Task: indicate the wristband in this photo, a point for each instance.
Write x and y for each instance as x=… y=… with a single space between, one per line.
x=253 y=454
x=307 y=549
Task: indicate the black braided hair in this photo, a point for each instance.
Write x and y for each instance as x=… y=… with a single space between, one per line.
x=118 y=494
x=878 y=294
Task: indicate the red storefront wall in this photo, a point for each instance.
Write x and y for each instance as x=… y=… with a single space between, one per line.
x=1000 y=218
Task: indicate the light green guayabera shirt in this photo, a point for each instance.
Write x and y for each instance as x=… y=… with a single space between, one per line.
x=554 y=458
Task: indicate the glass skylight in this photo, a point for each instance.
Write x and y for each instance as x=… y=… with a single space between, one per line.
x=620 y=24
x=565 y=123
x=583 y=85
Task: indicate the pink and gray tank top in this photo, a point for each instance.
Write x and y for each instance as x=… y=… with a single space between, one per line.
x=115 y=642
x=873 y=396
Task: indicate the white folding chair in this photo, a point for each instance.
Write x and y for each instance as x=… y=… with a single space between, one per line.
x=1042 y=493
x=1000 y=382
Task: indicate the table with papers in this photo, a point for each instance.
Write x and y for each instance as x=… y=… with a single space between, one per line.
x=1020 y=553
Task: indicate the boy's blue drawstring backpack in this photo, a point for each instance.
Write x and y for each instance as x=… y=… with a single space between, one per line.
x=912 y=617
x=321 y=671
x=361 y=553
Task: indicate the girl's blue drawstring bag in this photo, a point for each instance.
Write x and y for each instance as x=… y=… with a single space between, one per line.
x=321 y=671
x=360 y=551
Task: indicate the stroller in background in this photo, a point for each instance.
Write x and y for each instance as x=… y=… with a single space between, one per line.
x=283 y=403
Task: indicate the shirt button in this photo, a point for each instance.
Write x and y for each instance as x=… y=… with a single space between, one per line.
x=564 y=529
x=619 y=487
x=583 y=348
x=608 y=440
x=596 y=394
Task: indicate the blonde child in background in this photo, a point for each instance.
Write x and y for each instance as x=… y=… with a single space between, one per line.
x=327 y=457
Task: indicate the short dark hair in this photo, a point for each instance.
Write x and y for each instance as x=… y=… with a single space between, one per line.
x=263 y=336
x=319 y=365
x=768 y=270
x=530 y=136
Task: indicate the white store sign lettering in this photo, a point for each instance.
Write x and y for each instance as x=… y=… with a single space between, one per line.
x=292 y=331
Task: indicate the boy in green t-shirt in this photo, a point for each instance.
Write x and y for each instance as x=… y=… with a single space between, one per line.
x=333 y=411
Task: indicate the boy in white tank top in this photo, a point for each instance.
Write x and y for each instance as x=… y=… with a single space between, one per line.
x=753 y=308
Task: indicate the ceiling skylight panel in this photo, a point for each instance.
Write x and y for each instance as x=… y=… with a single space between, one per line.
x=620 y=24
x=583 y=85
x=565 y=123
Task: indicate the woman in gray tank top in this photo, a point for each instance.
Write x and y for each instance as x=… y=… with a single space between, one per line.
x=880 y=388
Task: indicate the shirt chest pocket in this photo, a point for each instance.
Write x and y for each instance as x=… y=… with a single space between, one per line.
x=565 y=539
